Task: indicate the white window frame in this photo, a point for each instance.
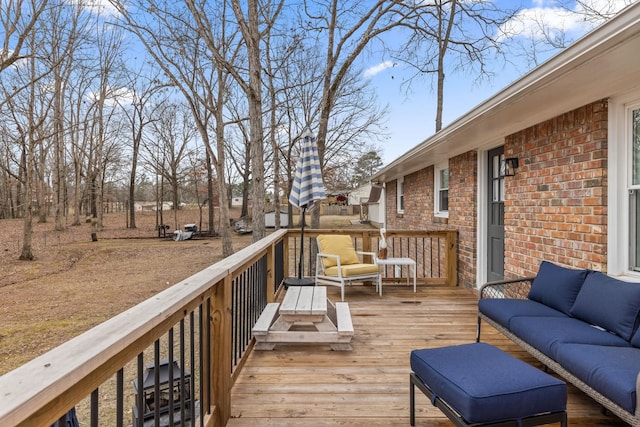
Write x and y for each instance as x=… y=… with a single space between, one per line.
x=400 y=195
x=619 y=184
x=437 y=187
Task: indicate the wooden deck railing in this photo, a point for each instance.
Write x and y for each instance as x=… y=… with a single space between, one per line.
x=203 y=323
x=435 y=252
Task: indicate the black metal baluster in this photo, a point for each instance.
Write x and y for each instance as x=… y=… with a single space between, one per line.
x=192 y=363
x=94 y=408
x=208 y=352
x=120 y=398
x=62 y=421
x=141 y=403
x=183 y=394
x=156 y=385
x=234 y=317
x=171 y=379
x=201 y=329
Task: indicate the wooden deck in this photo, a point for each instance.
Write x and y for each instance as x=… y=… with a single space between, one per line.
x=310 y=385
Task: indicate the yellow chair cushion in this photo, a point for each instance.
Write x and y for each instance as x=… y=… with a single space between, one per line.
x=340 y=245
x=352 y=270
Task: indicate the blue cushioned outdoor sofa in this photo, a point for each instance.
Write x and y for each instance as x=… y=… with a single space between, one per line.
x=582 y=324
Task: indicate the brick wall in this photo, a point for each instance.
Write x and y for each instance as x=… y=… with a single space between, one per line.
x=556 y=204
x=463 y=199
x=419 y=208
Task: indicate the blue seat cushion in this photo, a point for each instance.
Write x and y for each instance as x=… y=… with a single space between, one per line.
x=502 y=310
x=557 y=286
x=484 y=384
x=547 y=334
x=635 y=339
x=612 y=371
x=609 y=303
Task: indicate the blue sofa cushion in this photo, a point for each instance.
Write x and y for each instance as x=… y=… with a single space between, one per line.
x=609 y=303
x=502 y=310
x=484 y=384
x=548 y=334
x=635 y=339
x=612 y=371
x=557 y=286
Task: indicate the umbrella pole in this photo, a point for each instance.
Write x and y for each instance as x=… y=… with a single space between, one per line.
x=304 y=211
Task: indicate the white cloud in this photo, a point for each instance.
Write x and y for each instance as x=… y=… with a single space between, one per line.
x=372 y=71
x=114 y=96
x=538 y=21
x=546 y=18
x=97 y=7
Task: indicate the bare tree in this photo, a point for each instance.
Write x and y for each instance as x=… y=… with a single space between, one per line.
x=253 y=24
x=79 y=113
x=593 y=11
x=30 y=110
x=143 y=86
x=18 y=19
x=167 y=151
x=240 y=157
x=344 y=29
x=354 y=124
x=195 y=60
x=108 y=47
x=452 y=36
x=65 y=29
x=281 y=46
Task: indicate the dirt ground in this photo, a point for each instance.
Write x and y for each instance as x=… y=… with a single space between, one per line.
x=75 y=283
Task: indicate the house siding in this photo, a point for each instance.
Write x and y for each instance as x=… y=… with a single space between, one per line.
x=556 y=204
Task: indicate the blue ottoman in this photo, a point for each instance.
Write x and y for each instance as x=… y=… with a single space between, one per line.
x=479 y=384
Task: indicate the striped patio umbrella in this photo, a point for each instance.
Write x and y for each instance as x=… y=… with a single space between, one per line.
x=307 y=187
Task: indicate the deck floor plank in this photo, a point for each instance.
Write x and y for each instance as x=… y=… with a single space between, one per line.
x=311 y=385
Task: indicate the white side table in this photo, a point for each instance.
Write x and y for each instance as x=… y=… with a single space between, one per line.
x=400 y=262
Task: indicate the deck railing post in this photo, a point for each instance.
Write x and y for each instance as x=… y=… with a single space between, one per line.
x=367 y=245
x=221 y=350
x=452 y=258
x=271 y=268
x=285 y=251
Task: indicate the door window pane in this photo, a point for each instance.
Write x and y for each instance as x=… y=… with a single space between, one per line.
x=498 y=179
x=635 y=142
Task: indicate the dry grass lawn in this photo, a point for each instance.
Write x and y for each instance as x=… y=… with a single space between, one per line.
x=75 y=283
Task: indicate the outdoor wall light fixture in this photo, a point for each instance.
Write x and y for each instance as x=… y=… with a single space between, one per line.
x=508 y=166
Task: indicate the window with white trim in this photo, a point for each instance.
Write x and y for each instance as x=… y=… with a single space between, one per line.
x=441 y=191
x=400 y=195
x=633 y=152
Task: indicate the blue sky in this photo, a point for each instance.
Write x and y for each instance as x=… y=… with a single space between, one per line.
x=412 y=116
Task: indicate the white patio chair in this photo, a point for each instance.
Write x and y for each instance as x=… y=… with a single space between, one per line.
x=338 y=263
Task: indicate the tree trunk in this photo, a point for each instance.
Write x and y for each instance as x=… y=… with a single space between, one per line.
x=210 y=195
x=59 y=167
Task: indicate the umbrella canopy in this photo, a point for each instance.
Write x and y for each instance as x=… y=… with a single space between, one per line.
x=307 y=187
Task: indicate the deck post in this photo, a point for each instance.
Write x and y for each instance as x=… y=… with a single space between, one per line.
x=271 y=268
x=221 y=350
x=452 y=258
